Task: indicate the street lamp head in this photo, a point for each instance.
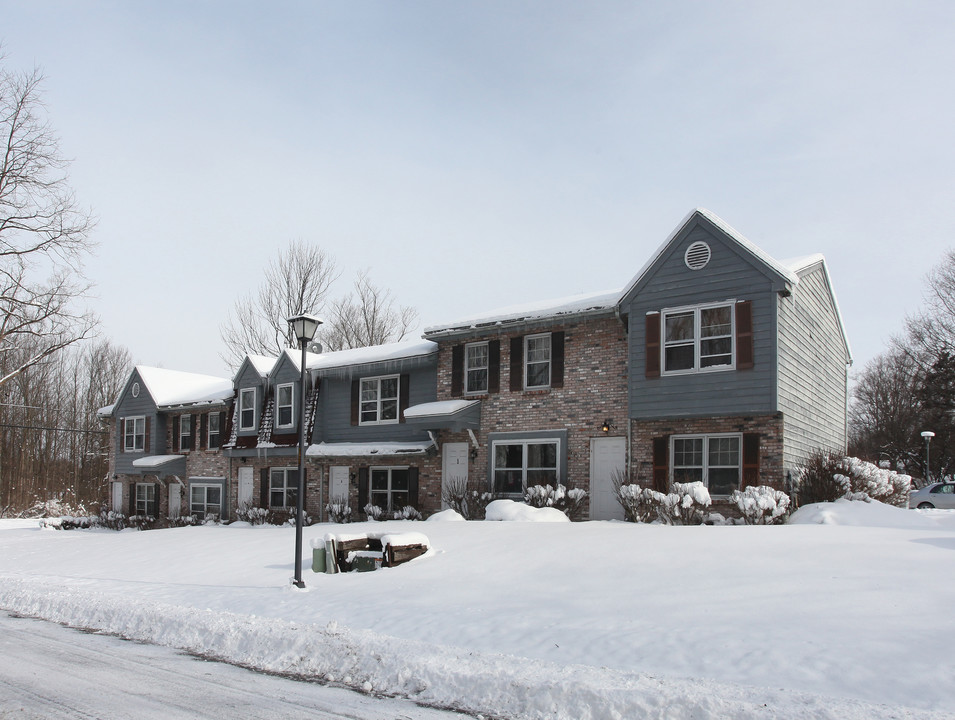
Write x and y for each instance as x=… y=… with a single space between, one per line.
x=304 y=326
x=928 y=434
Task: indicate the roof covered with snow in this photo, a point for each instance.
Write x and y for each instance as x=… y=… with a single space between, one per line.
x=172 y=387
x=541 y=310
x=373 y=354
x=367 y=449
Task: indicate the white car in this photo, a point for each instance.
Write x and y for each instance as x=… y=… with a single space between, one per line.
x=936 y=495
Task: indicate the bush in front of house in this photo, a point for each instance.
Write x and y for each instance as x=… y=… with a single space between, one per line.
x=637 y=502
x=339 y=511
x=567 y=501
x=246 y=512
x=685 y=504
x=761 y=505
x=827 y=476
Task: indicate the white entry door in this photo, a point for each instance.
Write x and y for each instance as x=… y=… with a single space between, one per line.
x=454 y=467
x=608 y=456
x=244 y=498
x=337 y=483
x=117 y=497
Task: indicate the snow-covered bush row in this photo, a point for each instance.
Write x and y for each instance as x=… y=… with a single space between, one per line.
x=375 y=513
x=761 y=505
x=685 y=504
x=826 y=477
x=567 y=501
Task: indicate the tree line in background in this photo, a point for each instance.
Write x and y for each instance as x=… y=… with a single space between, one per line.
x=910 y=389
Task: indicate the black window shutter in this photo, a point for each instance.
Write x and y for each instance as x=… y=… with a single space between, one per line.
x=292 y=481
x=153 y=507
x=457 y=371
x=146 y=438
x=557 y=359
x=413 y=487
x=132 y=498
x=744 y=335
x=652 y=350
x=517 y=363
x=122 y=435
x=750 y=460
x=494 y=366
x=264 y=487
x=661 y=464
x=203 y=430
x=175 y=433
x=362 y=487
x=355 y=400
x=404 y=395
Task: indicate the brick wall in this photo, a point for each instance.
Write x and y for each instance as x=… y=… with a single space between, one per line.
x=594 y=390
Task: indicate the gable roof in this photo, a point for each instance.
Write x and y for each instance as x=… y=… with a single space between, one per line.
x=372 y=354
x=544 y=309
x=703 y=216
x=172 y=387
x=806 y=264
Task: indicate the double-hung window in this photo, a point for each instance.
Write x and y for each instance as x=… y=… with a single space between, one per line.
x=215 y=430
x=134 y=434
x=714 y=460
x=475 y=367
x=185 y=432
x=247 y=409
x=390 y=488
x=146 y=503
x=205 y=500
x=519 y=465
x=537 y=360
x=698 y=338
x=379 y=400
x=284 y=407
x=283 y=487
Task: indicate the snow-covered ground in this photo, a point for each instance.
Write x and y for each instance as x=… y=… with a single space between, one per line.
x=845 y=613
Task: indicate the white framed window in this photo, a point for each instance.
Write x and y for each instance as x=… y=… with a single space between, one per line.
x=390 y=487
x=475 y=367
x=247 y=409
x=519 y=464
x=283 y=487
x=146 y=503
x=205 y=499
x=379 y=400
x=714 y=460
x=134 y=434
x=284 y=405
x=185 y=432
x=698 y=339
x=537 y=358
x=215 y=431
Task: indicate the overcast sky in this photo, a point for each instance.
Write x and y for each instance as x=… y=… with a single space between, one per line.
x=480 y=154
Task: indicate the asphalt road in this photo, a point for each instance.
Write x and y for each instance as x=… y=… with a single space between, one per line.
x=49 y=671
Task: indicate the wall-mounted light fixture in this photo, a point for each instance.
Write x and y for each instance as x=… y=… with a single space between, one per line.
x=474 y=453
x=608 y=426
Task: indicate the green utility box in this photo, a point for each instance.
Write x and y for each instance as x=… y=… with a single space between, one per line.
x=318 y=559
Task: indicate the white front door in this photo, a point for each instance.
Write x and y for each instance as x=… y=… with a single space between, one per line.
x=454 y=468
x=338 y=483
x=244 y=497
x=117 y=497
x=608 y=458
x=175 y=498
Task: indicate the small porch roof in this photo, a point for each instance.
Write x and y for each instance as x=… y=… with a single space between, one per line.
x=161 y=465
x=445 y=415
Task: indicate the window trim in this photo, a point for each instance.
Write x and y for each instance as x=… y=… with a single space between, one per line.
x=706 y=437
x=147 y=501
x=290 y=405
x=390 y=491
x=185 y=421
x=486 y=368
x=243 y=408
x=285 y=488
x=217 y=433
x=525 y=442
x=379 y=400
x=126 y=434
x=528 y=362
x=697 y=339
x=206 y=485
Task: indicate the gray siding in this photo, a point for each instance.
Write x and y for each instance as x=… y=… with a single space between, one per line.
x=730 y=275
x=333 y=419
x=128 y=406
x=812 y=370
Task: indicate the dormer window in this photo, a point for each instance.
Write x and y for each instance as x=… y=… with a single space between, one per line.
x=247 y=409
x=284 y=406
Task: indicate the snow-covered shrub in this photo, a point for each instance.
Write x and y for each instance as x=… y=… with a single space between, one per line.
x=373 y=512
x=246 y=512
x=637 y=502
x=455 y=494
x=477 y=504
x=827 y=476
x=761 y=504
x=685 y=504
x=567 y=501
x=112 y=520
x=407 y=513
x=338 y=510
x=56 y=508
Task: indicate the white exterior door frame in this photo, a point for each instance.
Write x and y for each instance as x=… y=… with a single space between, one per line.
x=454 y=464
x=608 y=456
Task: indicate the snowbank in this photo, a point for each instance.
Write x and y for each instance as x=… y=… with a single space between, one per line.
x=508 y=510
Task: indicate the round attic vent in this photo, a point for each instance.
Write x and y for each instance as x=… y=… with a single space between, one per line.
x=697 y=256
x=136 y=389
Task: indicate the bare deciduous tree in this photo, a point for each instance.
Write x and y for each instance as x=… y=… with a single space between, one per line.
x=366 y=317
x=44 y=234
x=296 y=281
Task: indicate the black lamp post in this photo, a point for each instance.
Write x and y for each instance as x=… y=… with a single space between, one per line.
x=304 y=327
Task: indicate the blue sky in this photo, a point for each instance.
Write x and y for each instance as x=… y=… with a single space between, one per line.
x=480 y=154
